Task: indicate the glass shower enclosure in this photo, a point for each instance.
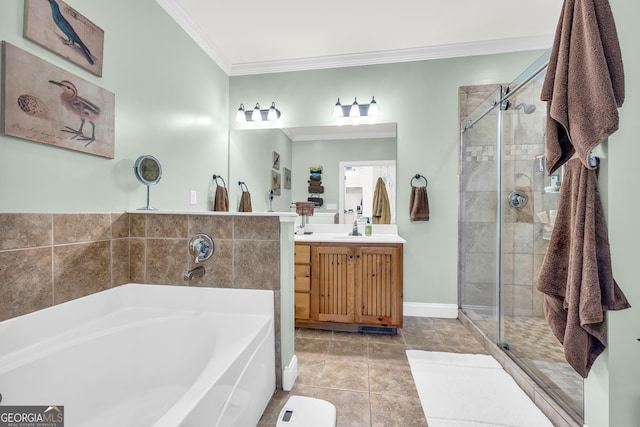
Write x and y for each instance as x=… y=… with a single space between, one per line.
x=507 y=211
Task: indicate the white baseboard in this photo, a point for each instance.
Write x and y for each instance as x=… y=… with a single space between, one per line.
x=418 y=309
x=290 y=374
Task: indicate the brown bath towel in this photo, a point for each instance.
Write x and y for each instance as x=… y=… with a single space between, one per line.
x=221 y=200
x=245 y=202
x=584 y=84
x=419 y=204
x=576 y=275
x=381 y=208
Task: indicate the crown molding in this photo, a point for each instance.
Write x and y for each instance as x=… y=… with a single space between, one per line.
x=455 y=50
x=179 y=15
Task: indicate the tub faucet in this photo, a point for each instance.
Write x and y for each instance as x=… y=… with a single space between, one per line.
x=355 y=232
x=196 y=272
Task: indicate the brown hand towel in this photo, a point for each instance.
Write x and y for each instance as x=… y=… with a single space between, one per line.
x=584 y=84
x=245 y=202
x=419 y=204
x=576 y=275
x=381 y=207
x=221 y=200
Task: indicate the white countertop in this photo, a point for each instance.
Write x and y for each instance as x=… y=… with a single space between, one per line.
x=339 y=233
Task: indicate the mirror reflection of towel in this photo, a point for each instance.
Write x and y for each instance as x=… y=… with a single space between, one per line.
x=221 y=200
x=245 y=202
x=419 y=204
x=381 y=207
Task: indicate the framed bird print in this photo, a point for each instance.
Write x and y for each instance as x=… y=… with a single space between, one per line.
x=61 y=29
x=46 y=104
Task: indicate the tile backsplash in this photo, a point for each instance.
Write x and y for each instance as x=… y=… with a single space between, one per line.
x=47 y=259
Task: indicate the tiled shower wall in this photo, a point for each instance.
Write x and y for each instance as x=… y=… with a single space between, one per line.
x=523 y=242
x=47 y=259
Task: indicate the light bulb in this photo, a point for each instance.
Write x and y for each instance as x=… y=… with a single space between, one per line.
x=337 y=110
x=240 y=115
x=373 y=107
x=273 y=113
x=355 y=109
x=256 y=116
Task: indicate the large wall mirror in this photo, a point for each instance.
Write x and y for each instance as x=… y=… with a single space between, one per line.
x=300 y=149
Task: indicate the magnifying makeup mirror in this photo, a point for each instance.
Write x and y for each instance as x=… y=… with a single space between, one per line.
x=148 y=171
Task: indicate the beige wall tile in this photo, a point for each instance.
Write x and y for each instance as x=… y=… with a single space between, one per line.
x=120 y=266
x=137 y=260
x=25 y=230
x=166 y=261
x=25 y=281
x=137 y=225
x=74 y=228
x=218 y=227
x=256 y=264
x=167 y=226
x=256 y=227
x=81 y=270
x=120 y=225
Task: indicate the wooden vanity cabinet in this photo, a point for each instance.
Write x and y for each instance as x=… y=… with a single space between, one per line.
x=353 y=284
x=302 y=281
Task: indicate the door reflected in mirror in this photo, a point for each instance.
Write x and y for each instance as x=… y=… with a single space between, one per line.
x=357 y=191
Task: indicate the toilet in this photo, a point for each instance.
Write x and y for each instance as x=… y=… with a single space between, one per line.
x=301 y=411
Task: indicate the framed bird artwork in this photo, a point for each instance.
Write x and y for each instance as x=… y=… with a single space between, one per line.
x=61 y=29
x=44 y=103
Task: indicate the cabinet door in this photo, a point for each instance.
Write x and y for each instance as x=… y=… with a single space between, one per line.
x=332 y=284
x=302 y=279
x=378 y=285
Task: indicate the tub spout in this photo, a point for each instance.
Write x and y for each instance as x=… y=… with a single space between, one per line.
x=196 y=272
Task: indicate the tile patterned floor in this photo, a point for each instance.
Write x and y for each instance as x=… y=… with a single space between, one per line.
x=366 y=376
x=532 y=341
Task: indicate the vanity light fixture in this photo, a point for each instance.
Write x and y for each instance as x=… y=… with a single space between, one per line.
x=256 y=114
x=355 y=109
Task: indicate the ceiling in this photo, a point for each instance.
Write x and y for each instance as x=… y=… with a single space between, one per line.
x=251 y=37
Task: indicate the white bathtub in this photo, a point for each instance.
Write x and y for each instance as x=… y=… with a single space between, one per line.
x=145 y=355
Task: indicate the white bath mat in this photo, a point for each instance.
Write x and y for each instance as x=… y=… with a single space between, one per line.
x=470 y=390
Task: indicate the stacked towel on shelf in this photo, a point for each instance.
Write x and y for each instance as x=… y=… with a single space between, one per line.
x=315 y=184
x=576 y=275
x=315 y=188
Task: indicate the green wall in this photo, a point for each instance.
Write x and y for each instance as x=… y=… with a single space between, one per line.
x=171 y=102
x=251 y=161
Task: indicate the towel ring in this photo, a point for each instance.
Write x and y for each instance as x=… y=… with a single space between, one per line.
x=215 y=178
x=240 y=183
x=418 y=176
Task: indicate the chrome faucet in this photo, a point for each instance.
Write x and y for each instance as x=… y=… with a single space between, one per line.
x=355 y=232
x=196 y=272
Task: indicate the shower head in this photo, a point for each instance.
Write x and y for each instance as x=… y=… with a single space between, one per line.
x=527 y=108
